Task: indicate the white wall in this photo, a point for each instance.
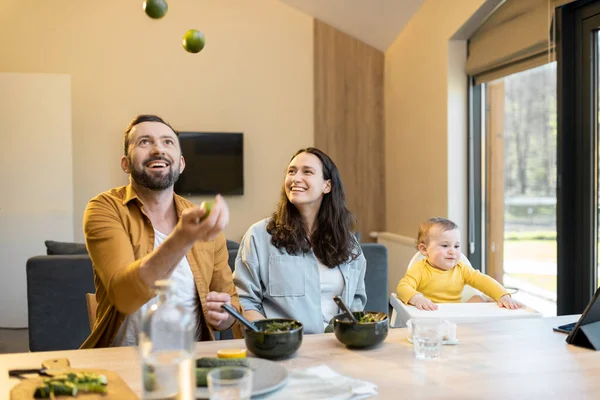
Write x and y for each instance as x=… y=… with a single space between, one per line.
x=458 y=137
x=255 y=75
x=36 y=199
x=401 y=250
x=425 y=111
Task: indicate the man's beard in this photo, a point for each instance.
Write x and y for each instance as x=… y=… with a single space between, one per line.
x=157 y=182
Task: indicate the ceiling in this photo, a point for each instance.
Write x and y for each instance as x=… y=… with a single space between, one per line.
x=375 y=22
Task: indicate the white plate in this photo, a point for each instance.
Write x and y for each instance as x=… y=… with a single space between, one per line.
x=268 y=376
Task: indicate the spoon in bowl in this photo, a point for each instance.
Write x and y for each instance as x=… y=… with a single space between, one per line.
x=235 y=314
x=345 y=309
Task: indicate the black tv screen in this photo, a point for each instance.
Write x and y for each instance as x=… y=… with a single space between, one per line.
x=214 y=164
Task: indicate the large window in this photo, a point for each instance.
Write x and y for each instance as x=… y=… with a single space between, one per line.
x=535 y=164
x=520 y=186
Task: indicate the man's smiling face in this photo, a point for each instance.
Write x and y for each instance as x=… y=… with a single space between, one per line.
x=154 y=157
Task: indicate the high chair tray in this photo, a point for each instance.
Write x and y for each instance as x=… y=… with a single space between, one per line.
x=458 y=313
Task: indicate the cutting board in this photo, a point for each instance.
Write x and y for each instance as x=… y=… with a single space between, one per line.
x=117 y=389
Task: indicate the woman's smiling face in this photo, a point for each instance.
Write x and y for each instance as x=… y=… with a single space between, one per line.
x=304 y=182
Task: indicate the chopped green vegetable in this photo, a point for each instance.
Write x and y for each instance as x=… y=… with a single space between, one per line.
x=42 y=392
x=280 y=327
x=62 y=388
x=91 y=387
x=70 y=384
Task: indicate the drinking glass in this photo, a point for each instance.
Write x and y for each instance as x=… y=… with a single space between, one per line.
x=427 y=336
x=230 y=383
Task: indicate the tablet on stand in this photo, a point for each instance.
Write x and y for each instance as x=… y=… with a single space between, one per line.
x=586 y=332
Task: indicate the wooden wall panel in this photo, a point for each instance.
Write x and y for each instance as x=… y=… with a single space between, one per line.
x=495 y=180
x=349 y=120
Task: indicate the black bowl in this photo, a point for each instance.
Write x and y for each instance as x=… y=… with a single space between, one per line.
x=273 y=345
x=361 y=335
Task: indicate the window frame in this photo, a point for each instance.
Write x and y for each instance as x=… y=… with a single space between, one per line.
x=577 y=204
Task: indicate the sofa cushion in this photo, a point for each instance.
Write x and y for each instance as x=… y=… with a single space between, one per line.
x=54 y=248
x=376 y=277
x=231 y=245
x=64 y=248
x=56 y=289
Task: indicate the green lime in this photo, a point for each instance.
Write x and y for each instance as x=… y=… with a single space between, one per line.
x=193 y=41
x=155 y=8
x=208 y=205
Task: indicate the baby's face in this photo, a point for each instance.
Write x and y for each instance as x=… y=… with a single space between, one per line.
x=443 y=248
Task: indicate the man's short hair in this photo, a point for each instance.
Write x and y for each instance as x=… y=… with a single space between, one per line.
x=138 y=120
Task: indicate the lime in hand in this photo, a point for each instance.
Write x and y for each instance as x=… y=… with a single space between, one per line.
x=208 y=205
x=155 y=8
x=193 y=41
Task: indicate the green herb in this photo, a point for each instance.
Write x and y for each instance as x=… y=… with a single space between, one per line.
x=280 y=326
x=367 y=319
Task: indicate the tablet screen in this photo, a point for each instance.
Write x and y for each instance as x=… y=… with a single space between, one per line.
x=590 y=314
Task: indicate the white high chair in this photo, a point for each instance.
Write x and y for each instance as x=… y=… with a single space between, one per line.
x=468 y=292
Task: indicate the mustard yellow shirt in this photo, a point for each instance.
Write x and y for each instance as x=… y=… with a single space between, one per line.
x=118 y=234
x=445 y=286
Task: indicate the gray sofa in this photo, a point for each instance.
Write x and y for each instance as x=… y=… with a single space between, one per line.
x=57 y=285
x=56 y=288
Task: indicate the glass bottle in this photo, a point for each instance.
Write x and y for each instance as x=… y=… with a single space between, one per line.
x=166 y=348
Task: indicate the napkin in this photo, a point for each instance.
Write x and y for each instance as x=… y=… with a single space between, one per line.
x=322 y=382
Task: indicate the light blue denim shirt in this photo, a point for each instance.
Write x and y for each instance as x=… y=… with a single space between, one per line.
x=279 y=285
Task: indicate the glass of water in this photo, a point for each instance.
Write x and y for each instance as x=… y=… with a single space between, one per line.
x=230 y=383
x=427 y=336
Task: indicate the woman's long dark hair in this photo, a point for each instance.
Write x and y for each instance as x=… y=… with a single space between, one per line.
x=332 y=240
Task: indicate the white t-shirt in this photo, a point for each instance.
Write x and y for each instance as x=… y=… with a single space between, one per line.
x=332 y=284
x=184 y=293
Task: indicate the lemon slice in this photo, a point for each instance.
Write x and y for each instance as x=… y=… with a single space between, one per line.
x=231 y=353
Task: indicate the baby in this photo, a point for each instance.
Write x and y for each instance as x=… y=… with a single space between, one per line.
x=441 y=277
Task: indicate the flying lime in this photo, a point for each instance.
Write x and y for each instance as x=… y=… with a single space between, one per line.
x=193 y=41
x=155 y=8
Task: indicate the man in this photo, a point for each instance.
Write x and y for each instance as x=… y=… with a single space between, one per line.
x=144 y=232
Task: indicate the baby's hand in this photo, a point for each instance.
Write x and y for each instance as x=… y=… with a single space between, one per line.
x=508 y=302
x=422 y=303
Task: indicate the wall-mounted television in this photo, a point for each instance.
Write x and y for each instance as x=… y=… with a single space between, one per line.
x=214 y=164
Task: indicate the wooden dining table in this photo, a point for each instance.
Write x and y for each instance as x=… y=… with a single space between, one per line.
x=505 y=359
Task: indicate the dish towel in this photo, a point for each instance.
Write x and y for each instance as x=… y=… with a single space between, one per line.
x=322 y=382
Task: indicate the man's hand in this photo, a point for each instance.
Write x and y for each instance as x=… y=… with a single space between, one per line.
x=216 y=316
x=508 y=302
x=422 y=302
x=193 y=229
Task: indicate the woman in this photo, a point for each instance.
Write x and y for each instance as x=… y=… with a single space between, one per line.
x=292 y=264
